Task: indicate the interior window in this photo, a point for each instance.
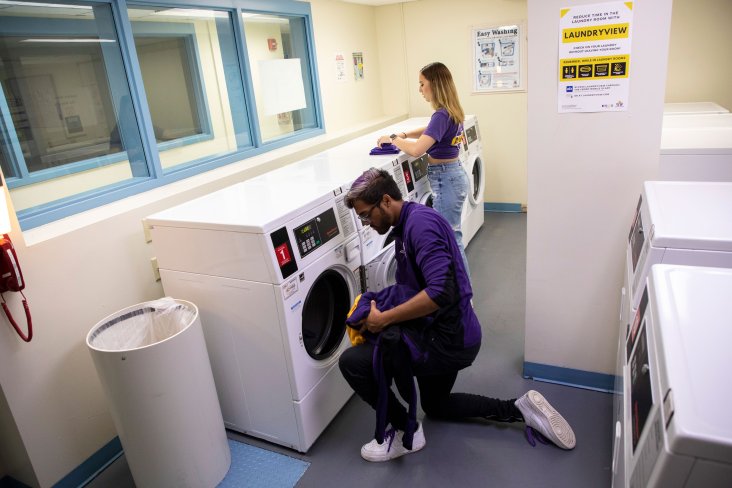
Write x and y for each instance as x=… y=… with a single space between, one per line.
x=95 y=106
x=280 y=67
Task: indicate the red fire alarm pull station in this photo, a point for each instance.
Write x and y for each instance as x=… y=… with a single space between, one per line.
x=272 y=43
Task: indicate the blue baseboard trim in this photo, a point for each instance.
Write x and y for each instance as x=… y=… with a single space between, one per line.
x=90 y=468
x=570 y=377
x=501 y=207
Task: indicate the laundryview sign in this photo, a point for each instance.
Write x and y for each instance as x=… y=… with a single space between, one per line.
x=594 y=57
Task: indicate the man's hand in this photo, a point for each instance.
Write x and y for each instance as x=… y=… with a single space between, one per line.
x=376 y=320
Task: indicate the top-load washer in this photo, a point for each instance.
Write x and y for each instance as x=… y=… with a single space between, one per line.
x=675 y=429
x=696 y=147
x=473 y=212
x=274 y=266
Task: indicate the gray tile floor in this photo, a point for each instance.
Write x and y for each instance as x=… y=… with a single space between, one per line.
x=476 y=453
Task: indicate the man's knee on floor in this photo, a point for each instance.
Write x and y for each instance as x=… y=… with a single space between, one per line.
x=435 y=410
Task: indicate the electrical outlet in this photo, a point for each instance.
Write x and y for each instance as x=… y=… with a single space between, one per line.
x=155 y=268
x=146 y=230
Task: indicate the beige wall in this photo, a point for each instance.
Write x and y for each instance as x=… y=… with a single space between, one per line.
x=346 y=28
x=580 y=208
x=700 y=52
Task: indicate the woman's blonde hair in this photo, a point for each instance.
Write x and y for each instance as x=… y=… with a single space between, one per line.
x=444 y=92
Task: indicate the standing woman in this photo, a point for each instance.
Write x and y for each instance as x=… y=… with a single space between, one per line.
x=441 y=140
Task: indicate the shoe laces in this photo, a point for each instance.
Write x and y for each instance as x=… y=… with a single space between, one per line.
x=533 y=435
x=389 y=437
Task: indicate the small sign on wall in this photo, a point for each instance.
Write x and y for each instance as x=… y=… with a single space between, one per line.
x=358 y=66
x=340 y=67
x=272 y=44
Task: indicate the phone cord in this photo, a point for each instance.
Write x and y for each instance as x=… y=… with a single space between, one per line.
x=29 y=321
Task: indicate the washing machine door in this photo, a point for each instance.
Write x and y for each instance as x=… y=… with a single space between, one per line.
x=381 y=270
x=475 y=179
x=426 y=198
x=324 y=314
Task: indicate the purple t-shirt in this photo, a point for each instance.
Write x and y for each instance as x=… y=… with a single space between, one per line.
x=447 y=134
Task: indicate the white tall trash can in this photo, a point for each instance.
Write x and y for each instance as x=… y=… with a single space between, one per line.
x=152 y=361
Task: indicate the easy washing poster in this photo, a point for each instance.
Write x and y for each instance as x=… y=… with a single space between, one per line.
x=594 y=57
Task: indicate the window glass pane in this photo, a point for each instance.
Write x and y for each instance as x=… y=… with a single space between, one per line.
x=68 y=125
x=280 y=69
x=192 y=81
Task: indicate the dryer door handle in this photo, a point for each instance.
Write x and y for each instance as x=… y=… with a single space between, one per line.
x=353 y=250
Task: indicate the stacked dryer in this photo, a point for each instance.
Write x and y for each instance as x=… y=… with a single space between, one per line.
x=274 y=266
x=677 y=223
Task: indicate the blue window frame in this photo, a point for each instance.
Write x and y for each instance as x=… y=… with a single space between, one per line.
x=103 y=100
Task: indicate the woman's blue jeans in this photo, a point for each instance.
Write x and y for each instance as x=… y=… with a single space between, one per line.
x=449 y=184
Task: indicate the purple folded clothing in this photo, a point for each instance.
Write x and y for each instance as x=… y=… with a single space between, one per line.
x=387 y=148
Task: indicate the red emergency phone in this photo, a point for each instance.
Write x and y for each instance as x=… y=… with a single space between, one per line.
x=11 y=279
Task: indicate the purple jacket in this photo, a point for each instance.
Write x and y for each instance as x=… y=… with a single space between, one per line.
x=428 y=258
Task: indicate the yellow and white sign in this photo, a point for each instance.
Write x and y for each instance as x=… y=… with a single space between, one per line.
x=594 y=57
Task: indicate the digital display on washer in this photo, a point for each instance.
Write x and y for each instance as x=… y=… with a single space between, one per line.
x=419 y=168
x=407 y=178
x=471 y=134
x=316 y=232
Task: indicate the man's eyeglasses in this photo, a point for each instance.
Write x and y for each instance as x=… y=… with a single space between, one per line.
x=365 y=217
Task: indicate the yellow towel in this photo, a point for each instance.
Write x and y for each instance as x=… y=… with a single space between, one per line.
x=353 y=334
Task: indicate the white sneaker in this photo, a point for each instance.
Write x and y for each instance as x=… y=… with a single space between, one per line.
x=540 y=415
x=392 y=446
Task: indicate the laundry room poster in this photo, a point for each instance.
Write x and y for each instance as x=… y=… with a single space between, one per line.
x=497 y=58
x=594 y=57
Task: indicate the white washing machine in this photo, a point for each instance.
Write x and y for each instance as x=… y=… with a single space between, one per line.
x=696 y=147
x=274 y=269
x=675 y=429
x=683 y=223
x=473 y=211
x=679 y=222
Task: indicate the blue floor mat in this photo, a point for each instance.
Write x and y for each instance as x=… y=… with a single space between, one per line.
x=254 y=467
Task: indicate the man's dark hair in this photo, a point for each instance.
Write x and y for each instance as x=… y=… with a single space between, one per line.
x=371 y=187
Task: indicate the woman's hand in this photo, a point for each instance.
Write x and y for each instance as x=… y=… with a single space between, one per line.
x=383 y=140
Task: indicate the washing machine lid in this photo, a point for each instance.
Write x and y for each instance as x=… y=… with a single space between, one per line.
x=693 y=313
x=689 y=215
x=254 y=206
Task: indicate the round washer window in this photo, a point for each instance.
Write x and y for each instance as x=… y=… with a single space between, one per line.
x=324 y=315
x=477 y=177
